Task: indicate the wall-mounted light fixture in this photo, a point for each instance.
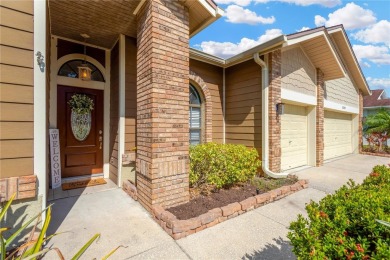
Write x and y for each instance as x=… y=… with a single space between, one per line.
x=280 y=108
x=84 y=70
x=40 y=60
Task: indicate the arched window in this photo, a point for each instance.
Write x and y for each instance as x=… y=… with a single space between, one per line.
x=70 y=69
x=195 y=117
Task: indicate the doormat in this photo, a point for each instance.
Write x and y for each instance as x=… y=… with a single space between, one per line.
x=83 y=184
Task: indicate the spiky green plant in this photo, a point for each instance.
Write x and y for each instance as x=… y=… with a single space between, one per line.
x=33 y=248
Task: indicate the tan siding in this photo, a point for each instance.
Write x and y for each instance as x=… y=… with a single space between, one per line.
x=16 y=75
x=297 y=72
x=243 y=105
x=16 y=112
x=16 y=167
x=16 y=130
x=16 y=148
x=16 y=19
x=17 y=57
x=16 y=88
x=16 y=38
x=16 y=93
x=114 y=114
x=131 y=94
x=342 y=91
x=212 y=76
x=26 y=6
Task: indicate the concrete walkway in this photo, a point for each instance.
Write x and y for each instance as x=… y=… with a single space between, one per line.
x=259 y=234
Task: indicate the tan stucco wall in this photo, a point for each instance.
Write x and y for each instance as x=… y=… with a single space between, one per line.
x=342 y=92
x=298 y=74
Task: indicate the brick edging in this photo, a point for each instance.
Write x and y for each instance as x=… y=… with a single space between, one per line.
x=181 y=228
x=376 y=154
x=24 y=186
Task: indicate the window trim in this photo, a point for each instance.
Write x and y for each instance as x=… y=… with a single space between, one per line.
x=202 y=113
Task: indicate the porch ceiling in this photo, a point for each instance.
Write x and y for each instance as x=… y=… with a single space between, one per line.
x=103 y=21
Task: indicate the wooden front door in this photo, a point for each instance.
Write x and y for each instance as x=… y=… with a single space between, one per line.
x=83 y=157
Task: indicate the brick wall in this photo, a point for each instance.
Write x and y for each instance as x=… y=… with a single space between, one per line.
x=274 y=65
x=320 y=119
x=162 y=102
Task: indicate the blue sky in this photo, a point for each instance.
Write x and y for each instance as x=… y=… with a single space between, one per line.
x=247 y=23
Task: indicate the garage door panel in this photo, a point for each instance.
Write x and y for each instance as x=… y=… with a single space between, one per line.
x=337 y=134
x=293 y=137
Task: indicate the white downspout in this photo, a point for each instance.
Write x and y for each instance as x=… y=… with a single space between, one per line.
x=264 y=118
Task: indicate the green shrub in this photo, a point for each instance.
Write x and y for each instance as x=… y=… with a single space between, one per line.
x=222 y=165
x=343 y=225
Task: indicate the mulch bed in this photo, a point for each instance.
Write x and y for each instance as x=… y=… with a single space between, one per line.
x=201 y=204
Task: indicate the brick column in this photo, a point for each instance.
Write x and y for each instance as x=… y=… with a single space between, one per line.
x=320 y=119
x=360 y=123
x=275 y=83
x=163 y=103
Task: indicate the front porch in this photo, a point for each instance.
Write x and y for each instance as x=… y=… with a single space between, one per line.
x=132 y=45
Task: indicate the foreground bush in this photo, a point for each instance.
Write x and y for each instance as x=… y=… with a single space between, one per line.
x=222 y=165
x=344 y=225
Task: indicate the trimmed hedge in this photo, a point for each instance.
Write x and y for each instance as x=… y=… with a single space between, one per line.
x=222 y=165
x=343 y=225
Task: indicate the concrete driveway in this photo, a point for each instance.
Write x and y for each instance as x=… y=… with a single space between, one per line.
x=259 y=234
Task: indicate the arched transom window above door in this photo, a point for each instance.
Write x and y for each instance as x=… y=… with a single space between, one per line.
x=70 y=70
x=195 y=120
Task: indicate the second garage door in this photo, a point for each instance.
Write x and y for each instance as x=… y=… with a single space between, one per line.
x=337 y=134
x=293 y=137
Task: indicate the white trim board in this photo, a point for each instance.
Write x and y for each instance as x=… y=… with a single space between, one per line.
x=40 y=113
x=331 y=105
x=298 y=97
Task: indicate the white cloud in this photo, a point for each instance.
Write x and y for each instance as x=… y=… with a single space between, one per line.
x=377 y=33
x=378 y=82
x=236 y=2
x=319 y=20
x=304 y=28
x=375 y=54
x=352 y=16
x=228 y=49
x=326 y=3
x=237 y=14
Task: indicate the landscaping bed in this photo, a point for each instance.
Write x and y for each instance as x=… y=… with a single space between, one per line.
x=179 y=228
x=202 y=203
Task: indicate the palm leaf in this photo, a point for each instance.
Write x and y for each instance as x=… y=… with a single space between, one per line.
x=85 y=247
x=4 y=210
x=16 y=233
x=111 y=253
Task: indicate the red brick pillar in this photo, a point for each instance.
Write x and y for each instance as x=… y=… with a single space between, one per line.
x=320 y=119
x=163 y=103
x=360 y=123
x=275 y=68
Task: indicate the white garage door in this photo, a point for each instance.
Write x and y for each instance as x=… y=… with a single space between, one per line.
x=294 y=137
x=337 y=134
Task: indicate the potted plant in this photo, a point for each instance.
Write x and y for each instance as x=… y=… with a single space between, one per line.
x=81 y=106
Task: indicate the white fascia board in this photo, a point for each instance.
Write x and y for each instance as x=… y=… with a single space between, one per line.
x=208 y=7
x=376 y=107
x=304 y=38
x=331 y=105
x=291 y=95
